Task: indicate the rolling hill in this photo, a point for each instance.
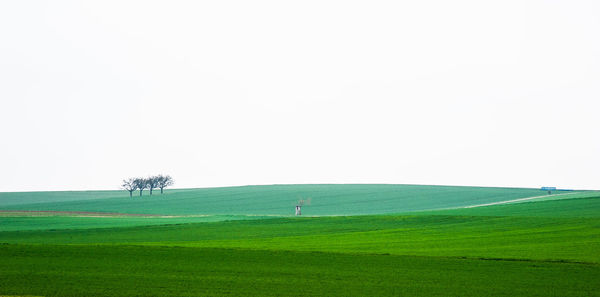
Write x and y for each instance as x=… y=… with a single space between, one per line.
x=353 y=240
x=269 y=200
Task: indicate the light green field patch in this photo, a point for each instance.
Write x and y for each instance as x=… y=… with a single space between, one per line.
x=540 y=238
x=503 y=238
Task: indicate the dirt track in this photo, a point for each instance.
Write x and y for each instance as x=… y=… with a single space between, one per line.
x=515 y=200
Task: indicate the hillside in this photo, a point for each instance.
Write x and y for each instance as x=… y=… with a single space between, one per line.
x=424 y=242
x=269 y=200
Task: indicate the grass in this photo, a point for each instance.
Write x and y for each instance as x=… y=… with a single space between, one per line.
x=544 y=247
x=274 y=200
x=20 y=198
x=56 y=222
x=459 y=236
x=167 y=271
x=576 y=206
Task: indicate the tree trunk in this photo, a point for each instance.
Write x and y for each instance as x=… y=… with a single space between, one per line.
x=161 y=190
x=150 y=191
x=130 y=194
x=141 y=193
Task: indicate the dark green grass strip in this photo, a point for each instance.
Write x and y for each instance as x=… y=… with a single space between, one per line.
x=50 y=270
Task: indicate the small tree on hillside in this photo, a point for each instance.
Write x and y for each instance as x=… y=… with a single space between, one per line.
x=164 y=181
x=129 y=185
x=140 y=184
x=152 y=182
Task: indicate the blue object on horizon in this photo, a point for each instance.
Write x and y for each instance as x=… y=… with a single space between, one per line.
x=548 y=189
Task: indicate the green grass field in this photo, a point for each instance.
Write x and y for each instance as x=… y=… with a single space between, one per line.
x=271 y=200
x=424 y=243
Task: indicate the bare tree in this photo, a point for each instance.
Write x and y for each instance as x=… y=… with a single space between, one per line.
x=152 y=182
x=129 y=185
x=164 y=181
x=140 y=184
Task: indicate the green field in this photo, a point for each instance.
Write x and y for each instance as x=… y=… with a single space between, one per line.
x=381 y=240
x=271 y=200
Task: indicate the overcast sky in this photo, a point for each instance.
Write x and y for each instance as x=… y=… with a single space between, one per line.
x=217 y=93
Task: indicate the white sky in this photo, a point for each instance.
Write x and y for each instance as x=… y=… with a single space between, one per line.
x=215 y=93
